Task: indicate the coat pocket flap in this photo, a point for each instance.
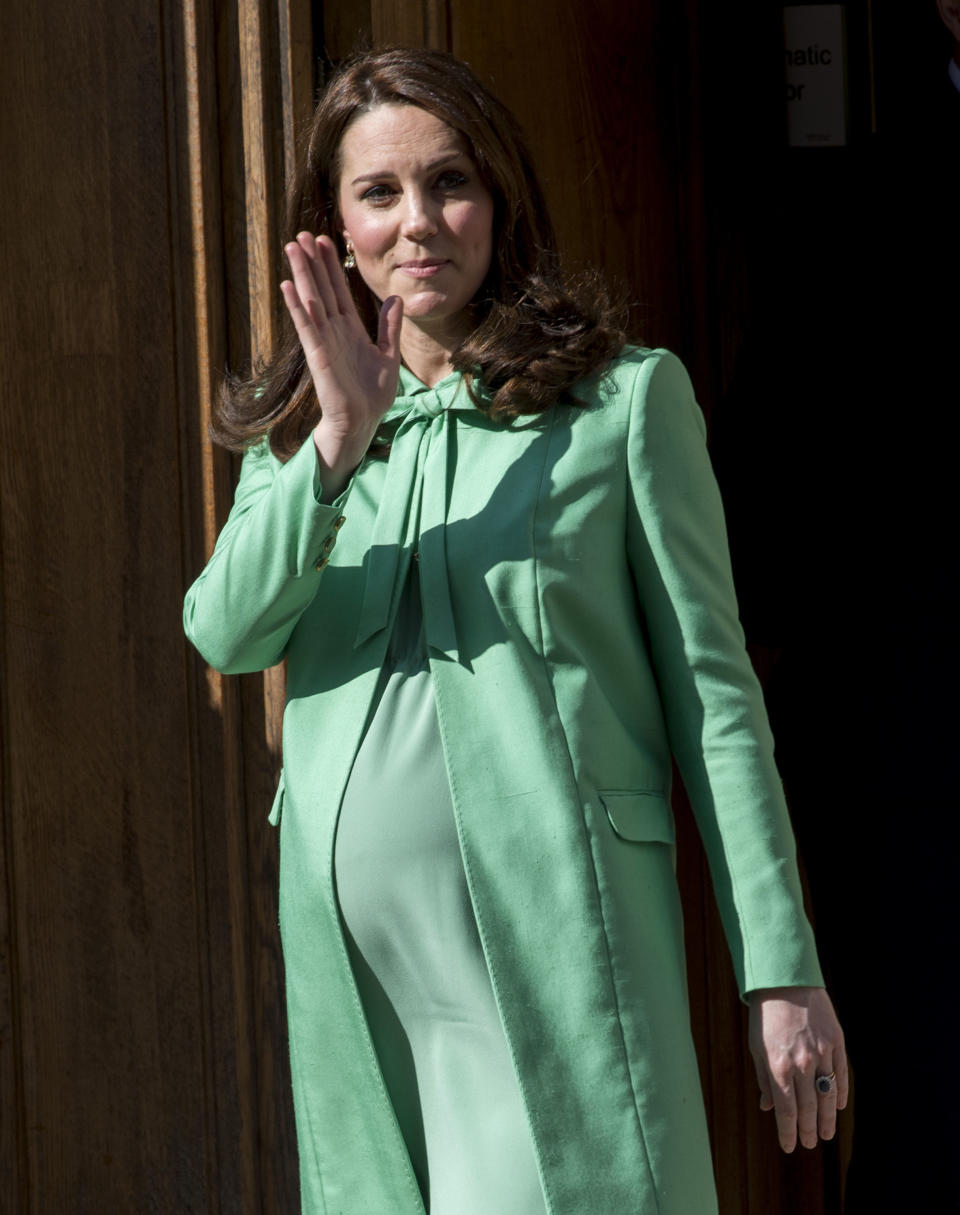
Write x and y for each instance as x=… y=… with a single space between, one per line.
x=643 y=817
x=277 y=808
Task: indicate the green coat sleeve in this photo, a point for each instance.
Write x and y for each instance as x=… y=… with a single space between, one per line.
x=713 y=704
x=267 y=565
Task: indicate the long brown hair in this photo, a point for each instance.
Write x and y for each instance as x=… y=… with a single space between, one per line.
x=536 y=335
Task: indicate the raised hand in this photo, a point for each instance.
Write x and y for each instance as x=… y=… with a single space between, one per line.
x=355 y=379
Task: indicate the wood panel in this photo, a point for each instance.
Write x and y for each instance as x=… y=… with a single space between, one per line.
x=587 y=81
x=263 y=66
x=411 y=23
x=201 y=313
x=100 y=867
x=142 y=1050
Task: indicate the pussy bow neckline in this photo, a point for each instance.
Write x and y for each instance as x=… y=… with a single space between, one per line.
x=412 y=512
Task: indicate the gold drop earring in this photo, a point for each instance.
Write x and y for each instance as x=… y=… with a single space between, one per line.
x=350 y=261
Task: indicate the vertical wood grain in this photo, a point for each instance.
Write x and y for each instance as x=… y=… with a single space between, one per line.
x=96 y=795
x=198 y=341
x=260 y=139
x=347 y=27
x=411 y=23
x=13 y=1171
x=213 y=705
x=266 y=84
x=594 y=89
x=297 y=78
x=277 y=85
x=265 y=150
x=142 y=1050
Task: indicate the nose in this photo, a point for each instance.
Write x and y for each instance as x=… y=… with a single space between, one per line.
x=420 y=218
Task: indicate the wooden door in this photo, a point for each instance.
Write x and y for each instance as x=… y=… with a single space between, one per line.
x=142 y=1051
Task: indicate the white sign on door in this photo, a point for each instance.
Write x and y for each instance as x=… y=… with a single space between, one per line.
x=816 y=75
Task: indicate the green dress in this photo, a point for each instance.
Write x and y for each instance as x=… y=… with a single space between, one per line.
x=417 y=956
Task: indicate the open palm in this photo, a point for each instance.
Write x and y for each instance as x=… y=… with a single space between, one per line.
x=355 y=379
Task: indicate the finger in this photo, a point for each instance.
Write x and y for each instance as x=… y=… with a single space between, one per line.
x=785 y=1111
x=827 y=1101
x=318 y=270
x=763 y=1080
x=302 y=321
x=304 y=283
x=842 y=1069
x=388 y=329
x=808 y=1107
x=343 y=296
x=304 y=279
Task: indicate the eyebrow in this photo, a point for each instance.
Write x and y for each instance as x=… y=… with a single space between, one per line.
x=434 y=164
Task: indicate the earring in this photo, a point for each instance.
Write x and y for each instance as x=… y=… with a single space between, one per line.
x=350 y=261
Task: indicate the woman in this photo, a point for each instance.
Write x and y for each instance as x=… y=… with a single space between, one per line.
x=488 y=544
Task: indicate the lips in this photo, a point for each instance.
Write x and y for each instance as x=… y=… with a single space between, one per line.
x=424 y=267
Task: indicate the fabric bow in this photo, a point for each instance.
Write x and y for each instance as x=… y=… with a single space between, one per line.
x=412 y=514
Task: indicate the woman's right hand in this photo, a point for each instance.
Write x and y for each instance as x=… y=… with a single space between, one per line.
x=355 y=379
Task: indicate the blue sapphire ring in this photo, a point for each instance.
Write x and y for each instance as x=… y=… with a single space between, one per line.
x=826 y=1084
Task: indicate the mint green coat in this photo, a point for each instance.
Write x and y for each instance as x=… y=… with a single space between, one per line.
x=582 y=626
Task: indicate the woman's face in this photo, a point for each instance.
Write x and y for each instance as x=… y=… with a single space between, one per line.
x=417 y=214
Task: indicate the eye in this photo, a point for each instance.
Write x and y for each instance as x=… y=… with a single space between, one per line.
x=451 y=179
x=377 y=193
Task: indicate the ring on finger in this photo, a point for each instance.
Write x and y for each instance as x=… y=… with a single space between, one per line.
x=826 y=1084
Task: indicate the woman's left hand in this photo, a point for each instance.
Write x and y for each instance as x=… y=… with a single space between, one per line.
x=795 y=1038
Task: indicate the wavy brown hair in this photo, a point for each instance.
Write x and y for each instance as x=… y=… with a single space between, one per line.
x=537 y=333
